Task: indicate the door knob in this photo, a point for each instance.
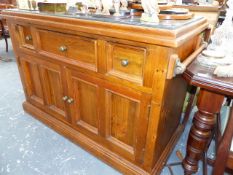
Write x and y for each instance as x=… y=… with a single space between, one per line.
x=28 y=38
x=63 y=48
x=70 y=100
x=65 y=98
x=124 y=62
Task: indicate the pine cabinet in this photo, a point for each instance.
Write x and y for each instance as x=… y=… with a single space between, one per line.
x=104 y=85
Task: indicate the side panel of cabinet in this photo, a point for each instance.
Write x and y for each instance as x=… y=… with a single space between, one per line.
x=32 y=81
x=53 y=87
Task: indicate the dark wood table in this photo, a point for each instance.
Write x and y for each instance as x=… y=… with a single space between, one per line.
x=210 y=99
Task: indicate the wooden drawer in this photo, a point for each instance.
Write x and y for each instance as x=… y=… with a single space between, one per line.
x=80 y=49
x=25 y=36
x=126 y=62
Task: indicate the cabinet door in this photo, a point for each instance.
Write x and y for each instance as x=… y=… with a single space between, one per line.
x=84 y=109
x=126 y=122
x=32 y=82
x=53 y=87
x=115 y=116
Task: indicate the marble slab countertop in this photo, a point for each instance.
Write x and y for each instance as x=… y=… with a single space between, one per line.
x=130 y=20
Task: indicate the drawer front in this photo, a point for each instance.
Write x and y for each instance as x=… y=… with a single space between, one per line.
x=126 y=62
x=25 y=36
x=82 y=50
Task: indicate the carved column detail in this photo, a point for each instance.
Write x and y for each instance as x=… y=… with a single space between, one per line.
x=209 y=104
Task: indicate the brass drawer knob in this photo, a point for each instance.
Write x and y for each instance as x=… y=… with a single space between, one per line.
x=28 y=38
x=70 y=100
x=63 y=48
x=124 y=62
x=65 y=98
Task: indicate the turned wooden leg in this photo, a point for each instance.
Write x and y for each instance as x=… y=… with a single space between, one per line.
x=209 y=104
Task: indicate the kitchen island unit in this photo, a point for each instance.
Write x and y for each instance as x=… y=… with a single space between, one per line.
x=105 y=83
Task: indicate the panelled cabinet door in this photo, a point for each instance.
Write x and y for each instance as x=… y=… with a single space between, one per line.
x=84 y=104
x=32 y=82
x=126 y=118
x=53 y=87
x=114 y=116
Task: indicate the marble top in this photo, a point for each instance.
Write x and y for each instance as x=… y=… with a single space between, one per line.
x=130 y=20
